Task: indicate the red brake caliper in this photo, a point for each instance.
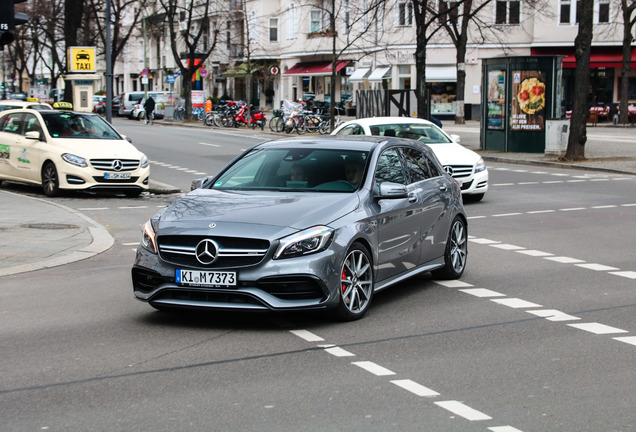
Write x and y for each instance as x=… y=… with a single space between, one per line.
x=344 y=276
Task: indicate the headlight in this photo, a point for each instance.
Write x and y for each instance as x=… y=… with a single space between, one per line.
x=75 y=160
x=480 y=166
x=309 y=241
x=148 y=238
x=144 y=161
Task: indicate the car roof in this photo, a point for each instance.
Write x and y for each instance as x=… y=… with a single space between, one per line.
x=369 y=121
x=347 y=142
x=23 y=104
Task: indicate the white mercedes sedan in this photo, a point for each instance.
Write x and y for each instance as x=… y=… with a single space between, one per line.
x=466 y=166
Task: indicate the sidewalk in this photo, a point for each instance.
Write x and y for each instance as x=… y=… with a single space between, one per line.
x=39 y=233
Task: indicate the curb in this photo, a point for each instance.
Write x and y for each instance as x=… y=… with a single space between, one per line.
x=101 y=242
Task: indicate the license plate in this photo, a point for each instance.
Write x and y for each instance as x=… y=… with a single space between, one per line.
x=117 y=176
x=205 y=278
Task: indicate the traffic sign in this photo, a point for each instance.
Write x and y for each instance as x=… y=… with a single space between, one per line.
x=170 y=79
x=203 y=73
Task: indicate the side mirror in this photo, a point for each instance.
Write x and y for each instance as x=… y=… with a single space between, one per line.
x=456 y=138
x=34 y=135
x=129 y=139
x=198 y=183
x=388 y=190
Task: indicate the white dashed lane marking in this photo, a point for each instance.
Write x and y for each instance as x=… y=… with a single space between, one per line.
x=374 y=368
x=463 y=410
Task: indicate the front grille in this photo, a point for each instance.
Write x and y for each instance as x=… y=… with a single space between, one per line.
x=109 y=164
x=232 y=252
x=461 y=171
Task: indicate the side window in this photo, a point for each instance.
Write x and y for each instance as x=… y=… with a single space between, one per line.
x=389 y=168
x=31 y=124
x=416 y=165
x=353 y=129
x=12 y=123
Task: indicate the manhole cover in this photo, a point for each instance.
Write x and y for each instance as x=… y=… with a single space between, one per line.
x=50 y=226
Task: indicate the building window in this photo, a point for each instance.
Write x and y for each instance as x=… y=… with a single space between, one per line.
x=404 y=12
x=315 y=21
x=566 y=12
x=507 y=12
x=603 y=11
x=292 y=21
x=273 y=29
x=404 y=77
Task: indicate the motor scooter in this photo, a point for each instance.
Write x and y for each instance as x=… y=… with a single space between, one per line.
x=258 y=119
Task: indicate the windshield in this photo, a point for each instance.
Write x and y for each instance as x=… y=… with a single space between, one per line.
x=74 y=125
x=296 y=169
x=426 y=133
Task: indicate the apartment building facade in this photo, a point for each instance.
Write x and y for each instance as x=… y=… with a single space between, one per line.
x=290 y=46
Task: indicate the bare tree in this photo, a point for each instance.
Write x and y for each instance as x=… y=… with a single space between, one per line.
x=359 y=30
x=51 y=28
x=427 y=17
x=197 y=18
x=456 y=16
x=629 y=19
x=580 y=111
x=122 y=29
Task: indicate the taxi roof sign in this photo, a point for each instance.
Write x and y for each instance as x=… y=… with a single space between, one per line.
x=63 y=106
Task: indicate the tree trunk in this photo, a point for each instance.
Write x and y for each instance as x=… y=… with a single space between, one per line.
x=627 y=62
x=580 y=109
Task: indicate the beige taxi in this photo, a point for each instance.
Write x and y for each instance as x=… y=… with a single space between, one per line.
x=65 y=150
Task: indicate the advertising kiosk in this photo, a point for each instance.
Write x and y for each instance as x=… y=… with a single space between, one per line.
x=520 y=97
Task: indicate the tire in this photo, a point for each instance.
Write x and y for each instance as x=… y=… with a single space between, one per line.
x=50 y=180
x=272 y=124
x=473 y=198
x=356 y=286
x=300 y=126
x=455 y=253
x=279 y=124
x=324 y=128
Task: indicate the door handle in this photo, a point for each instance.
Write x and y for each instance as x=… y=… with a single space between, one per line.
x=412 y=198
x=443 y=188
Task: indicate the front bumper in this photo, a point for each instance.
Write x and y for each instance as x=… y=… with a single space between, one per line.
x=289 y=284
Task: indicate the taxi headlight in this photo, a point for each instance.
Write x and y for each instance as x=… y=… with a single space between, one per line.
x=149 y=238
x=75 y=160
x=309 y=241
x=144 y=161
x=480 y=166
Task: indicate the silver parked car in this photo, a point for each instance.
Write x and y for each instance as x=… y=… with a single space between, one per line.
x=319 y=223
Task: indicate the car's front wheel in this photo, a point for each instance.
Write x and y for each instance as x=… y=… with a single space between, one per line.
x=456 y=251
x=356 y=284
x=50 y=180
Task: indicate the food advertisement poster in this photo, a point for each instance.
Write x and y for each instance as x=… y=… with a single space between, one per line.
x=496 y=99
x=528 y=104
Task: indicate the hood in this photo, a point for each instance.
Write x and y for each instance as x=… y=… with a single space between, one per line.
x=255 y=214
x=99 y=149
x=454 y=154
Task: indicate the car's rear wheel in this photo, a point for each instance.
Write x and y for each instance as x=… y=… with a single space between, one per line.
x=456 y=251
x=50 y=180
x=356 y=284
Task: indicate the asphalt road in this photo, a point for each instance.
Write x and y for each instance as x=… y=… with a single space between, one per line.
x=538 y=335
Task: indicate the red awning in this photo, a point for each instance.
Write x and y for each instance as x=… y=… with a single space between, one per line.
x=315 y=68
x=611 y=57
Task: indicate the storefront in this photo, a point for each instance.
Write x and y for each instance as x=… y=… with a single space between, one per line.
x=606 y=65
x=312 y=81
